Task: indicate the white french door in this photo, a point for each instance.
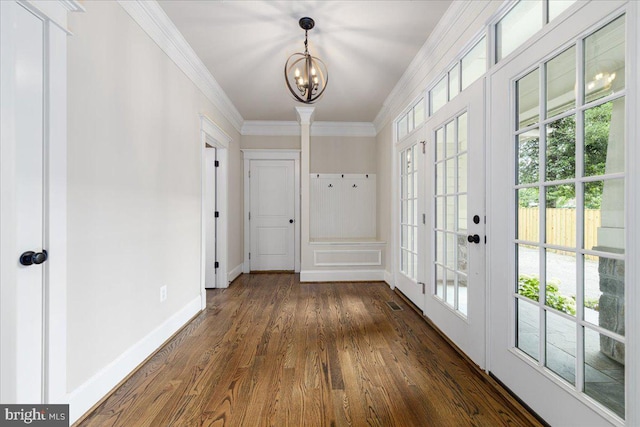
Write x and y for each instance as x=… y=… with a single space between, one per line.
x=410 y=279
x=272 y=215
x=558 y=188
x=455 y=161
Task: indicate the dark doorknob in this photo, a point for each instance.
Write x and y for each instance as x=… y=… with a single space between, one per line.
x=290 y=221
x=473 y=239
x=30 y=257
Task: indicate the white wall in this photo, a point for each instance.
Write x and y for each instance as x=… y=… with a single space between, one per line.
x=270 y=142
x=343 y=154
x=134 y=188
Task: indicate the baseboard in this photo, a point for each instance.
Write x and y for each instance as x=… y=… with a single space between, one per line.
x=233 y=274
x=88 y=394
x=341 y=275
x=389 y=279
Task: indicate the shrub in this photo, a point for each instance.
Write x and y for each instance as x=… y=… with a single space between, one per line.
x=529 y=286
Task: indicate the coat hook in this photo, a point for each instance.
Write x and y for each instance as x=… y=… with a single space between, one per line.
x=318 y=176
x=354 y=186
x=367 y=175
x=330 y=185
x=343 y=175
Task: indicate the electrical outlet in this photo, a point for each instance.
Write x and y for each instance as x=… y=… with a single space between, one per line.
x=163 y=293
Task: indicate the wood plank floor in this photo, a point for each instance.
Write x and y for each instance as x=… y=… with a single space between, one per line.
x=270 y=351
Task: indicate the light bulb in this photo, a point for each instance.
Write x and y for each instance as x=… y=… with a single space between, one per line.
x=297 y=73
x=313 y=71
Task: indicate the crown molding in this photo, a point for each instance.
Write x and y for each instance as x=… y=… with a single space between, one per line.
x=291 y=128
x=72 y=5
x=427 y=57
x=155 y=22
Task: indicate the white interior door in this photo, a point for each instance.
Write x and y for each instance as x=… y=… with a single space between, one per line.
x=410 y=279
x=558 y=186
x=22 y=203
x=272 y=215
x=456 y=301
x=211 y=219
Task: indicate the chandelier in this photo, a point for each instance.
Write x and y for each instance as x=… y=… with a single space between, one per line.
x=306 y=76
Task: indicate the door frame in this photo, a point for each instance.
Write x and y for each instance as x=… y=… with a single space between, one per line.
x=249 y=155
x=54 y=15
x=213 y=136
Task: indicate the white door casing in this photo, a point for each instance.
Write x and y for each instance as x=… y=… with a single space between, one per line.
x=455 y=300
x=210 y=219
x=272 y=215
x=411 y=228
x=214 y=137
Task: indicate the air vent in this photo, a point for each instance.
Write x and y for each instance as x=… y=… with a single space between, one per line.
x=393 y=306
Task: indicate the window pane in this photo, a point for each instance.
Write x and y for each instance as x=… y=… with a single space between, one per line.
x=604 y=61
x=528 y=338
x=462 y=132
x=604 y=215
x=603 y=375
x=418 y=113
x=451 y=138
x=528 y=156
x=454 y=81
x=561 y=215
x=450 y=175
x=440 y=178
x=474 y=63
x=402 y=127
x=528 y=214
x=450 y=247
x=524 y=20
x=462 y=173
x=561 y=83
x=450 y=289
x=604 y=138
x=440 y=152
x=529 y=99
x=561 y=149
x=439 y=95
x=462 y=213
x=561 y=281
x=451 y=214
x=440 y=247
x=440 y=281
x=528 y=271
x=604 y=294
x=410 y=123
x=463 y=245
x=556 y=7
x=440 y=212
x=561 y=346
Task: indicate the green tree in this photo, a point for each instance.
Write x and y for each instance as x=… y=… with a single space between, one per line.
x=560 y=157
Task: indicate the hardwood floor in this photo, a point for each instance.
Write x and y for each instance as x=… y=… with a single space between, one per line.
x=270 y=351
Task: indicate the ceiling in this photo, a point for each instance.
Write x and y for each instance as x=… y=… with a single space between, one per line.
x=367 y=46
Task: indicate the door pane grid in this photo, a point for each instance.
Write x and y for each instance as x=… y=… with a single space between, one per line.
x=570 y=207
x=409 y=213
x=450 y=225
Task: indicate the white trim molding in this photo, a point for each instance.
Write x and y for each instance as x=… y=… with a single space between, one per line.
x=98 y=386
x=344 y=256
x=155 y=22
x=212 y=135
x=342 y=276
x=235 y=272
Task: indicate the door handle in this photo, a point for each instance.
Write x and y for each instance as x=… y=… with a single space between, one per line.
x=30 y=257
x=473 y=238
x=291 y=221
